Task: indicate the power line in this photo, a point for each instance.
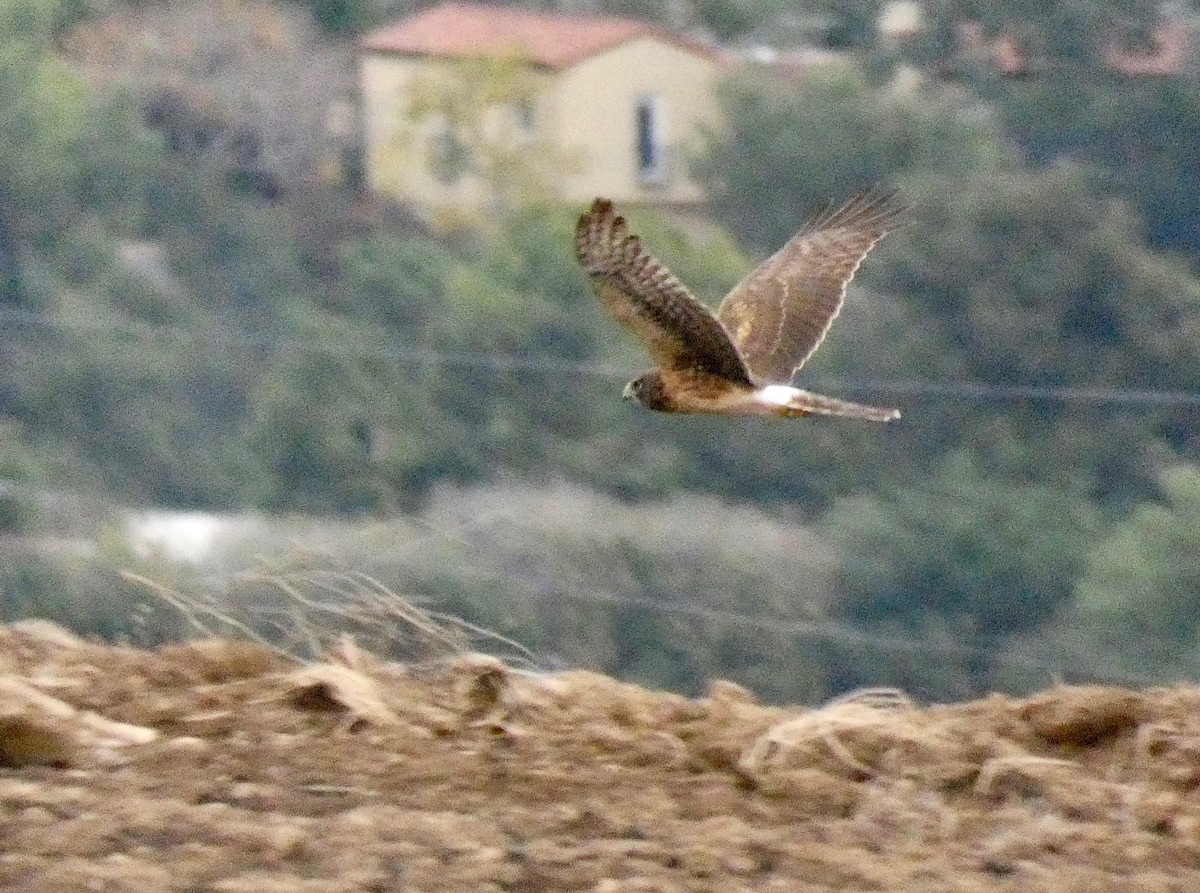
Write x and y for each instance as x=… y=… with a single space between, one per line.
x=994 y=652
x=410 y=353
x=573 y=584
x=579 y=587
x=1040 y=393
x=550 y=365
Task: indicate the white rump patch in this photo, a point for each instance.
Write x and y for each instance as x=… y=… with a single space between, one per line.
x=778 y=394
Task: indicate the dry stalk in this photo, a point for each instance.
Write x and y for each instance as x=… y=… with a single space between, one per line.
x=1022 y=765
x=320 y=608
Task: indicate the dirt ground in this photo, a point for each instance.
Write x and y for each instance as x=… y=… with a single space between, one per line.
x=220 y=766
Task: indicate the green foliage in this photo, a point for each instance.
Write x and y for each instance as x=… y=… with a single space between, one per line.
x=63 y=157
x=392 y=279
x=1133 y=617
x=730 y=19
x=787 y=148
x=1027 y=278
x=341 y=428
x=961 y=543
x=232 y=247
x=343 y=17
x=1145 y=576
x=853 y=22
x=42 y=111
x=969 y=563
x=1038 y=261
x=1075 y=32
x=156 y=411
x=175 y=337
x=154 y=416
x=1140 y=132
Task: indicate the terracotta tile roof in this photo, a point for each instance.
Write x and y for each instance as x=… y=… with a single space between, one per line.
x=1168 y=56
x=462 y=30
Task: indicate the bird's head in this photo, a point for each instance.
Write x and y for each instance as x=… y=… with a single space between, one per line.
x=648 y=390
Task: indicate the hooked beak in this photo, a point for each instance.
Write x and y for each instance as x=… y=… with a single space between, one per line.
x=628 y=393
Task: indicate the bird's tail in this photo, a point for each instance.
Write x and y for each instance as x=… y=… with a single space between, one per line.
x=808 y=403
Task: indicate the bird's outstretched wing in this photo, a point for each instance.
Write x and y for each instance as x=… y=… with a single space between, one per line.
x=647 y=300
x=779 y=314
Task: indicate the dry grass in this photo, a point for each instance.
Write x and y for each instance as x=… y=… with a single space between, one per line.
x=467 y=774
x=306 y=615
x=653 y=592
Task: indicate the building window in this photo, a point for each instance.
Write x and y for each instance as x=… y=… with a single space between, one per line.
x=525 y=115
x=450 y=159
x=650 y=153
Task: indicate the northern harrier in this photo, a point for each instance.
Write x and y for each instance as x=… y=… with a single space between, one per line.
x=741 y=360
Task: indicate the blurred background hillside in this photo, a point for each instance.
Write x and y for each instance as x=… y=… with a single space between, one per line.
x=204 y=309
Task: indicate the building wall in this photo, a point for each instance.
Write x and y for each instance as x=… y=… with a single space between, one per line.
x=596 y=108
x=402 y=148
x=583 y=141
x=383 y=86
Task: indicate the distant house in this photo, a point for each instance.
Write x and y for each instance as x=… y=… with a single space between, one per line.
x=461 y=99
x=1171 y=52
x=1003 y=53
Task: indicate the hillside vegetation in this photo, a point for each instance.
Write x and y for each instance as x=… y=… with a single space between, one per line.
x=201 y=308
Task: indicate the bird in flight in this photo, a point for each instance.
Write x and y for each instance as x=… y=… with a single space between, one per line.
x=740 y=360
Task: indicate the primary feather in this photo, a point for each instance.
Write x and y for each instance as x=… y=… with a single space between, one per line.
x=647 y=300
x=779 y=314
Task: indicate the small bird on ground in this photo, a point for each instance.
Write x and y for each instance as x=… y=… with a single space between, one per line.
x=740 y=360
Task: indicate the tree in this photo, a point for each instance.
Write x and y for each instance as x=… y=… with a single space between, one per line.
x=1026 y=279
x=70 y=166
x=960 y=556
x=787 y=148
x=1144 y=578
x=729 y=20
x=1141 y=133
x=340 y=429
x=251 y=88
x=1074 y=31
x=961 y=543
x=1133 y=617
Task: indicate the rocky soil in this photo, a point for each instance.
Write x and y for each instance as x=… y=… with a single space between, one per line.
x=221 y=766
